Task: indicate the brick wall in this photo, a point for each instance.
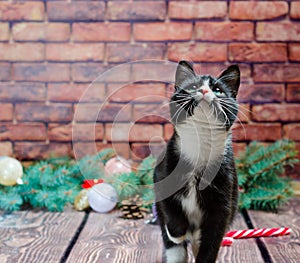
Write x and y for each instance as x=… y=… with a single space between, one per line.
x=50 y=51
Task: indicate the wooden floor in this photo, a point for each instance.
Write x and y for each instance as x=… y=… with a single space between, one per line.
x=78 y=237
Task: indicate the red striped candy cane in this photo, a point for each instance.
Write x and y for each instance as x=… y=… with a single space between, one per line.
x=259 y=232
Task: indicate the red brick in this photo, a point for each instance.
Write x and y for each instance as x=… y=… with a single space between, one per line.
x=75 y=132
x=87 y=72
x=162 y=31
x=95 y=32
x=145 y=10
x=238 y=148
x=198 y=52
x=257 y=132
x=224 y=31
x=295 y=10
x=22 y=92
x=6 y=149
x=261 y=93
x=294 y=52
x=140 y=151
x=45 y=113
x=168 y=131
x=130 y=52
x=6 y=110
x=151 y=113
x=257 y=52
x=75 y=52
x=293 y=172
x=153 y=71
x=22 y=11
x=51 y=72
x=102 y=112
x=134 y=133
x=278 y=31
x=293 y=92
x=81 y=149
x=22 y=52
x=38 y=151
x=65 y=92
x=197 y=10
x=5 y=71
x=23 y=131
x=277 y=73
x=253 y=10
x=276 y=112
x=77 y=11
x=4 y=31
x=137 y=92
x=292 y=131
x=243 y=113
x=41 y=32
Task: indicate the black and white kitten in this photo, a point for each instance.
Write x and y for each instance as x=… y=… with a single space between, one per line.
x=195 y=178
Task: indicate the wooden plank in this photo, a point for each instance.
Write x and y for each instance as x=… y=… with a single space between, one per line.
x=245 y=250
x=29 y=236
x=108 y=238
x=285 y=248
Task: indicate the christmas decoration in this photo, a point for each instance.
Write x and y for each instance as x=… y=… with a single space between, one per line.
x=259 y=232
x=227 y=241
x=117 y=165
x=81 y=200
x=102 y=198
x=132 y=208
x=56 y=182
x=11 y=171
x=259 y=169
x=53 y=183
x=90 y=183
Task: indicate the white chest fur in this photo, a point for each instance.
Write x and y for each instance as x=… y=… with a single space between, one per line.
x=201 y=137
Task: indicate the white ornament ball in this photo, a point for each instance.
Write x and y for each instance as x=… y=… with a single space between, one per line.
x=102 y=198
x=11 y=171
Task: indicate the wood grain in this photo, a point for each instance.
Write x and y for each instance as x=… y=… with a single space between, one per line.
x=106 y=239
x=29 y=236
x=241 y=250
x=286 y=248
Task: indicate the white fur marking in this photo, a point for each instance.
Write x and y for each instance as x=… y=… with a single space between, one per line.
x=190 y=206
x=201 y=136
x=176 y=240
x=176 y=254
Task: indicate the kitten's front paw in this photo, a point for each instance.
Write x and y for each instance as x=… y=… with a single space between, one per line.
x=176 y=254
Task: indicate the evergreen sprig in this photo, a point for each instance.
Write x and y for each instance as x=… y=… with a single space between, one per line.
x=54 y=183
x=259 y=171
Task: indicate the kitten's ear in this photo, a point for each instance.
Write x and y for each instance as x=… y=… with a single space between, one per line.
x=184 y=71
x=231 y=77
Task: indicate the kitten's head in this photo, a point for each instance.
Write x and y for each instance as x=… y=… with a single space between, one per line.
x=215 y=98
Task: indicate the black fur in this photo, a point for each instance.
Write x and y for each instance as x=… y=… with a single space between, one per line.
x=217 y=201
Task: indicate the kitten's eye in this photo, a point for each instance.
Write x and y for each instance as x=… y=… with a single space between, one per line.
x=218 y=91
x=194 y=87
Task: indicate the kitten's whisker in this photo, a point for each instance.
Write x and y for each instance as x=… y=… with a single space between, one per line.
x=178 y=111
x=233 y=108
x=238 y=119
x=229 y=100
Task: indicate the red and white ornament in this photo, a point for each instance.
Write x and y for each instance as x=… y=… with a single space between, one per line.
x=117 y=165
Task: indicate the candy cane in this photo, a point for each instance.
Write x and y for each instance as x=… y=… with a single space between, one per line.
x=259 y=232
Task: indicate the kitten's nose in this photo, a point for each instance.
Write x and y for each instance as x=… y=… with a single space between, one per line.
x=204 y=91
